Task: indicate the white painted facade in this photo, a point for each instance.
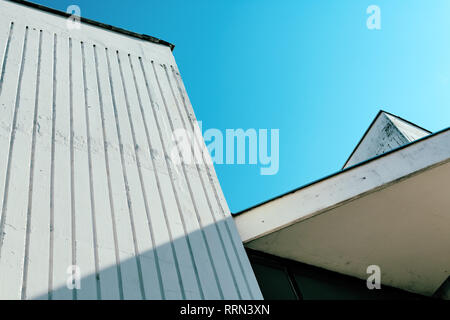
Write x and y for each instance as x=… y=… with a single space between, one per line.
x=86 y=178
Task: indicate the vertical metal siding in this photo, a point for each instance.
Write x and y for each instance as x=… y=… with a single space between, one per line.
x=87 y=178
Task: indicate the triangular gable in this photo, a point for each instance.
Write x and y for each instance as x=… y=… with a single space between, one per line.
x=387 y=132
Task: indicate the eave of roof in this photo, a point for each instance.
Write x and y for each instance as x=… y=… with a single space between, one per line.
x=96 y=23
x=344 y=170
x=374 y=215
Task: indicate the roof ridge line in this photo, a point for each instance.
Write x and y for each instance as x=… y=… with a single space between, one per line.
x=96 y=23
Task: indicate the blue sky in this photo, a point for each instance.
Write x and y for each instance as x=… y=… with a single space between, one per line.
x=309 y=68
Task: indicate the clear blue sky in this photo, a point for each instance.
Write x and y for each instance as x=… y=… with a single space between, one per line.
x=309 y=68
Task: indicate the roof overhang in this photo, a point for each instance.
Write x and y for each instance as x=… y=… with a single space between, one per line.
x=143 y=37
x=392 y=211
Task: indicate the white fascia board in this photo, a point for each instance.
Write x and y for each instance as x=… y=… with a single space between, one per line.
x=344 y=186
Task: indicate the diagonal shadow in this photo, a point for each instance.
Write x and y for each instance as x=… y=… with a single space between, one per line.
x=186 y=277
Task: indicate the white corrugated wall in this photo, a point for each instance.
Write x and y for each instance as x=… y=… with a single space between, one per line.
x=86 y=176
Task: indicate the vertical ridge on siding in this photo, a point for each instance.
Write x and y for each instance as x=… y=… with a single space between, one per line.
x=62 y=256
x=108 y=176
x=52 y=173
x=5 y=56
x=72 y=160
x=193 y=144
x=211 y=174
x=31 y=174
x=38 y=258
x=139 y=142
x=11 y=145
x=111 y=280
x=89 y=173
x=125 y=179
x=198 y=225
x=172 y=252
x=84 y=228
x=91 y=183
x=207 y=235
x=198 y=246
x=209 y=168
x=142 y=236
x=126 y=256
x=12 y=72
x=176 y=215
x=9 y=268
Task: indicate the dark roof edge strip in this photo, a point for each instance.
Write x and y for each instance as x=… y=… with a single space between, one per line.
x=370 y=127
x=96 y=23
x=342 y=171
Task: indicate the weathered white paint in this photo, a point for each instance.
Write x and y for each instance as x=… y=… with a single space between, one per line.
x=392 y=211
x=86 y=177
x=386 y=133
